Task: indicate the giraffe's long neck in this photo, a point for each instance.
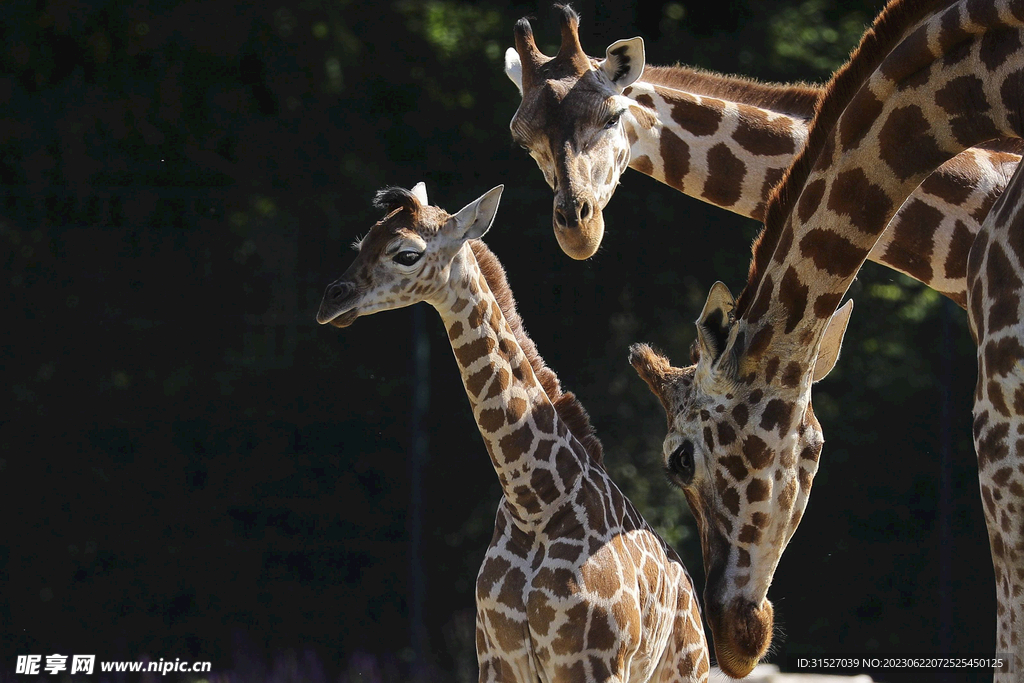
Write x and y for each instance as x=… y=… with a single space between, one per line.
x=725 y=149
x=939 y=91
x=728 y=142
x=536 y=458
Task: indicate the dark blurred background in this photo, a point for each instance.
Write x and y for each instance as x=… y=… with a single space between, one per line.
x=193 y=468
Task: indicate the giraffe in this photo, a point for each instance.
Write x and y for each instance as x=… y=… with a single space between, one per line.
x=575 y=586
x=929 y=79
x=723 y=139
x=997 y=324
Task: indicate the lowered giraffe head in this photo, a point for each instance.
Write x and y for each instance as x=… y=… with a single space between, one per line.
x=570 y=121
x=407 y=256
x=747 y=493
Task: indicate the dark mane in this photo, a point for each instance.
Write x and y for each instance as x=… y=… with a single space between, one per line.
x=568 y=407
x=795 y=99
x=393 y=199
x=885 y=33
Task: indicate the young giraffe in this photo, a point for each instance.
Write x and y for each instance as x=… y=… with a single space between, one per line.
x=930 y=78
x=575 y=586
x=722 y=139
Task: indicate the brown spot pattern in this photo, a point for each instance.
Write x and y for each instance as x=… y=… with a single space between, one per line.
x=749 y=534
x=792 y=374
x=474 y=350
x=907 y=145
x=826 y=304
x=787 y=495
x=734 y=464
x=1012 y=91
x=1001 y=278
x=858 y=118
x=960 y=245
x=793 y=297
x=758 y=490
x=675 y=154
x=866 y=205
x=643 y=164
x=993 y=447
x=724 y=183
x=1002 y=355
x=832 y=252
x=492 y=419
x=777 y=414
x=756 y=134
x=810 y=199
x=516 y=443
x=700 y=119
x=911 y=248
x=726 y=434
x=760 y=341
x=740 y=414
x=643 y=117
x=905 y=60
x=731 y=499
x=757 y=452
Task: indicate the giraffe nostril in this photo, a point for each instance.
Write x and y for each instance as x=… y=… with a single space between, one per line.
x=560 y=218
x=338 y=290
x=584 y=211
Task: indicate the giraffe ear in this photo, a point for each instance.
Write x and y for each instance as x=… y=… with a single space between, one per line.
x=654 y=369
x=624 y=61
x=420 y=191
x=514 y=68
x=475 y=219
x=714 y=324
x=831 y=341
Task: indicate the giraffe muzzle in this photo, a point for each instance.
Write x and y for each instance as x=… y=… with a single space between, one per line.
x=742 y=632
x=579 y=227
x=337 y=307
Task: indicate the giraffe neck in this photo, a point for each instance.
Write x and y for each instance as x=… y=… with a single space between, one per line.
x=866 y=158
x=716 y=143
x=729 y=141
x=536 y=458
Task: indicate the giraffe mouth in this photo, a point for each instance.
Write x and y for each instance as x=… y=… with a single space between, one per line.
x=339 y=306
x=581 y=240
x=342 y=320
x=742 y=633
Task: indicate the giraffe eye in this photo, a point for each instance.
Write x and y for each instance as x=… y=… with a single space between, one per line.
x=614 y=120
x=680 y=466
x=407 y=258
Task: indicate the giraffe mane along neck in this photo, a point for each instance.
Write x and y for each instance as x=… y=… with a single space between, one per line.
x=795 y=99
x=888 y=29
x=568 y=407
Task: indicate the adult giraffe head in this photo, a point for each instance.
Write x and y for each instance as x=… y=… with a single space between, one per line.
x=570 y=121
x=407 y=256
x=743 y=445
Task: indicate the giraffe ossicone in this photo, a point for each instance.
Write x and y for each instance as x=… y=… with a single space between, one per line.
x=725 y=140
x=575 y=585
x=929 y=79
